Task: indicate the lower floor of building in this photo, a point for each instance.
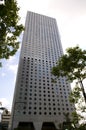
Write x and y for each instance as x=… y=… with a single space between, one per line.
x=36 y=126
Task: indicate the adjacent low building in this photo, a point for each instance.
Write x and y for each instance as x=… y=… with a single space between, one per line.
x=5 y=119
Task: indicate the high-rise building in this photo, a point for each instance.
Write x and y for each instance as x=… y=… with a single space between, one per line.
x=38 y=102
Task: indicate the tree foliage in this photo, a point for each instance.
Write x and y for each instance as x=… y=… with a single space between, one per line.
x=72 y=123
x=10 y=29
x=73 y=65
x=75 y=94
x=77 y=98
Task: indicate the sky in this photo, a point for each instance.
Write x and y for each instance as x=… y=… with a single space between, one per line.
x=71 y=21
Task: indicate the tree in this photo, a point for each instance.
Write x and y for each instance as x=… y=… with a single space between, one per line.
x=10 y=29
x=77 y=99
x=72 y=124
x=76 y=95
x=73 y=65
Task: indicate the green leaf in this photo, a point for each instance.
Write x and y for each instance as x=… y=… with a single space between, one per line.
x=10 y=29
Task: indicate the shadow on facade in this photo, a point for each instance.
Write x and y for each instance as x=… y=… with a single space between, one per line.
x=25 y=126
x=30 y=126
x=48 y=126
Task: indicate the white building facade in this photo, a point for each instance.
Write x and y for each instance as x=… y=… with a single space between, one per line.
x=36 y=99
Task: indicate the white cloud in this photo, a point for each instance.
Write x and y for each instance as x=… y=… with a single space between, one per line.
x=12 y=64
x=5 y=103
x=13 y=68
x=73 y=32
x=69 y=6
x=3 y=74
x=11 y=59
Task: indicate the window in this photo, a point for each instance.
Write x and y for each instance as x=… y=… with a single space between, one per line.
x=40 y=113
x=45 y=113
x=35 y=113
x=58 y=108
x=29 y=113
x=29 y=107
x=54 y=113
x=54 y=108
x=35 y=108
x=49 y=113
x=24 y=112
x=59 y=113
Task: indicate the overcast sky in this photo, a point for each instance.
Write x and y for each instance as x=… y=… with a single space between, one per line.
x=70 y=16
x=71 y=21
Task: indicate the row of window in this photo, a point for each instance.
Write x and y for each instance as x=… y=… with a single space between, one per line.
x=41 y=113
x=38 y=55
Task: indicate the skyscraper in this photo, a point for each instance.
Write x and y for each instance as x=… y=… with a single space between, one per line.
x=38 y=102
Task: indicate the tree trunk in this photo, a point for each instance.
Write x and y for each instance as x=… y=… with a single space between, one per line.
x=83 y=90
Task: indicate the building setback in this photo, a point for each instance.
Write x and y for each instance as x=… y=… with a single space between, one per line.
x=38 y=102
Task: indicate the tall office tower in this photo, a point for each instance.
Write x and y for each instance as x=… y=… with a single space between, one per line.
x=39 y=103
